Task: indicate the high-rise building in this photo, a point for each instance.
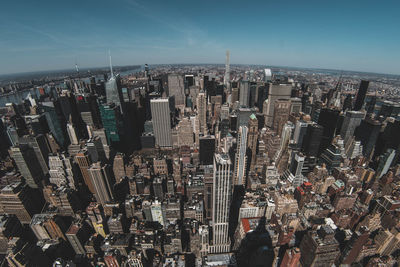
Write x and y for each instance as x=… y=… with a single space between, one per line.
x=102 y=182
x=328 y=118
x=312 y=140
x=244 y=93
x=112 y=122
x=77 y=235
x=201 y=104
x=114 y=91
x=367 y=132
x=28 y=165
x=276 y=91
x=185 y=133
x=241 y=157
x=176 y=88
x=362 y=92
x=41 y=148
x=160 y=112
x=281 y=114
x=351 y=121
x=207 y=149
x=222 y=193
x=20 y=200
x=227 y=71
x=299 y=132
x=252 y=140
x=319 y=248
x=385 y=160
x=83 y=161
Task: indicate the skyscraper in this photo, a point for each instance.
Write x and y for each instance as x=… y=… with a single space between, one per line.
x=102 y=182
x=207 y=149
x=351 y=121
x=83 y=161
x=244 y=93
x=201 y=104
x=312 y=140
x=276 y=91
x=252 y=140
x=160 y=113
x=368 y=133
x=112 y=122
x=28 y=165
x=222 y=192
x=241 y=157
x=227 y=71
x=281 y=114
x=328 y=118
x=176 y=88
x=362 y=92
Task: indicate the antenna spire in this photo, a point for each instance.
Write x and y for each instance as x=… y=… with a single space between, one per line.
x=112 y=73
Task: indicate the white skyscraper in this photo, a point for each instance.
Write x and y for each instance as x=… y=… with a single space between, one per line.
x=241 y=157
x=222 y=193
x=160 y=113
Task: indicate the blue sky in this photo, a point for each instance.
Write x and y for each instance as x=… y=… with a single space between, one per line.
x=54 y=34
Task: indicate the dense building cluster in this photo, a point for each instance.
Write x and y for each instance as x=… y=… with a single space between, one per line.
x=199 y=166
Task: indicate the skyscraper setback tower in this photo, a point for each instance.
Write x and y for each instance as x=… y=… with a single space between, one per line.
x=227 y=71
x=241 y=157
x=362 y=92
x=222 y=192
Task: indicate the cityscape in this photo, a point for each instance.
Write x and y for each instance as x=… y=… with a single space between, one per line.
x=114 y=155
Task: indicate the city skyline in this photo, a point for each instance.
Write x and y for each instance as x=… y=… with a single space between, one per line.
x=358 y=36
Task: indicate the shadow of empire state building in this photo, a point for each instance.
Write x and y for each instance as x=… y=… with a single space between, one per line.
x=256 y=248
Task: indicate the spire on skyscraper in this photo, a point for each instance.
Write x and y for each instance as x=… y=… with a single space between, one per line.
x=111 y=69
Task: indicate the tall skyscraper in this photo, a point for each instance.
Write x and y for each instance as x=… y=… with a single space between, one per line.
x=83 y=161
x=281 y=114
x=244 y=93
x=102 y=182
x=201 y=104
x=362 y=92
x=160 y=113
x=252 y=140
x=28 y=165
x=227 y=71
x=368 y=133
x=241 y=156
x=112 y=122
x=114 y=89
x=207 y=149
x=351 y=121
x=312 y=140
x=222 y=193
x=276 y=91
x=176 y=88
x=328 y=118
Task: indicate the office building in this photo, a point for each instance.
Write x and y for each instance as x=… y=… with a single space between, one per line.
x=28 y=165
x=241 y=157
x=281 y=114
x=244 y=93
x=362 y=92
x=328 y=118
x=83 y=160
x=351 y=121
x=276 y=91
x=252 y=140
x=206 y=149
x=176 y=88
x=102 y=182
x=222 y=193
x=312 y=140
x=20 y=200
x=201 y=105
x=367 y=132
x=160 y=112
